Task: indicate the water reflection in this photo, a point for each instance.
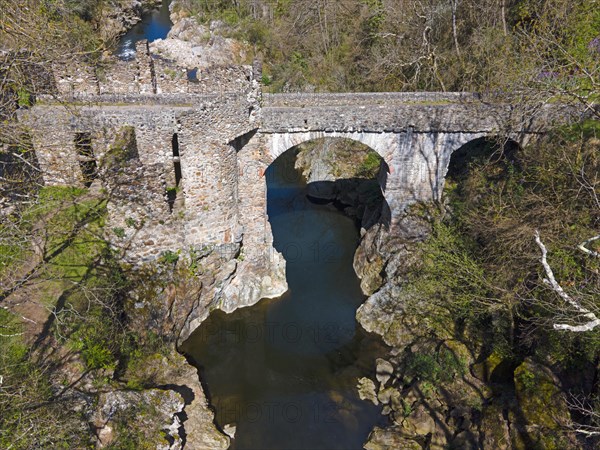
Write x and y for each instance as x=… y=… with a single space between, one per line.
x=285 y=371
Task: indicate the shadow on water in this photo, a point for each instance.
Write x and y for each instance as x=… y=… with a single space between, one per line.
x=285 y=370
x=154 y=25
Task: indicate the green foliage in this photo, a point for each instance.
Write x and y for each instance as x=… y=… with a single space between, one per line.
x=375 y=20
x=299 y=61
x=440 y=367
x=370 y=166
x=450 y=275
x=496 y=205
x=23 y=98
x=266 y=80
x=527 y=380
x=30 y=419
x=70 y=229
x=371 y=45
x=406 y=408
x=169 y=257
x=130 y=437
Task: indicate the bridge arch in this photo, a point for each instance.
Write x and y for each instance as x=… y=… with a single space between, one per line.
x=344 y=170
x=488 y=150
x=382 y=143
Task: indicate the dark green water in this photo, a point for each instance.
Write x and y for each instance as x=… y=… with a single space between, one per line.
x=285 y=370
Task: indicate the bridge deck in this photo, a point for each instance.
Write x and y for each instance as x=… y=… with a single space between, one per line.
x=365 y=98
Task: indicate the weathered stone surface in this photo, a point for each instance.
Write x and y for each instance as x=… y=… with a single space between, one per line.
x=382 y=313
x=384 y=371
x=385 y=395
x=192 y=46
x=390 y=439
x=420 y=423
x=155 y=410
x=420 y=112
x=229 y=430
x=494 y=429
x=367 y=390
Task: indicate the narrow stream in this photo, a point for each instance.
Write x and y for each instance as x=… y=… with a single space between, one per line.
x=155 y=24
x=285 y=370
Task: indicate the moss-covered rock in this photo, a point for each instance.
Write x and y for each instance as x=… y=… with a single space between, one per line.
x=483 y=370
x=542 y=410
x=495 y=434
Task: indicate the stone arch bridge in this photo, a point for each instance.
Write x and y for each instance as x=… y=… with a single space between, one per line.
x=184 y=168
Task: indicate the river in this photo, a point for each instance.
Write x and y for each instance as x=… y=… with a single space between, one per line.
x=285 y=370
x=154 y=25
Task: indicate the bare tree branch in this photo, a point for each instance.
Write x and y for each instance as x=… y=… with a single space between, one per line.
x=586 y=250
x=593 y=320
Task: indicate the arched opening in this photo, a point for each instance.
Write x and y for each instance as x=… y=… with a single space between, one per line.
x=480 y=162
x=340 y=172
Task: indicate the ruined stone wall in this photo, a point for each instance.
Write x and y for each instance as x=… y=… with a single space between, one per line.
x=184 y=197
x=147 y=75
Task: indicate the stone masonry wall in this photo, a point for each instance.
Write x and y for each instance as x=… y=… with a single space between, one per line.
x=147 y=74
x=402 y=111
x=178 y=188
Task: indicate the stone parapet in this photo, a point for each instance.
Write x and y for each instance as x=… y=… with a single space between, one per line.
x=302 y=100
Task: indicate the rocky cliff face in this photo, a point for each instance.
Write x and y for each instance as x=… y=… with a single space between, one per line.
x=198 y=46
x=344 y=173
x=437 y=387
